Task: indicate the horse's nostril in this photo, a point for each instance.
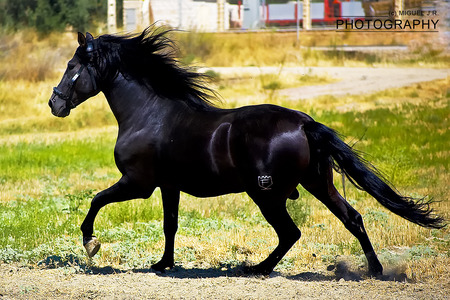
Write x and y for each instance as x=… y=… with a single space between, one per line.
x=52 y=100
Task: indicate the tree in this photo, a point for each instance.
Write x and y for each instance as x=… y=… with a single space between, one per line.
x=52 y=15
x=17 y=14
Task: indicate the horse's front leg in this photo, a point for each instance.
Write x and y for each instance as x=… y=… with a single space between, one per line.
x=123 y=190
x=171 y=199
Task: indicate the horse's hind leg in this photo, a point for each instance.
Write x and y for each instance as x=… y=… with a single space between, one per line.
x=171 y=200
x=276 y=215
x=322 y=187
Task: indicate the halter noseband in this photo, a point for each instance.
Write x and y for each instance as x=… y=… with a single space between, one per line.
x=68 y=98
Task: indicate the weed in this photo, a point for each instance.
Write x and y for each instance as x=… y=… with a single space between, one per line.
x=213 y=75
x=186 y=254
x=272 y=85
x=75 y=200
x=372 y=217
x=420 y=251
x=299 y=211
x=287 y=263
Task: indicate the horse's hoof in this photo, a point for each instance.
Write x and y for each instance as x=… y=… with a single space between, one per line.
x=162 y=266
x=376 y=270
x=257 y=270
x=92 y=245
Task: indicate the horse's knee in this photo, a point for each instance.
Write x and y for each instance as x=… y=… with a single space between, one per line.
x=96 y=201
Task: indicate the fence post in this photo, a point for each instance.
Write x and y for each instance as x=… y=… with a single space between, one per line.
x=398 y=6
x=306 y=15
x=220 y=16
x=112 y=26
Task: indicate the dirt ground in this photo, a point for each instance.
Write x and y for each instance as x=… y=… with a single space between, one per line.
x=180 y=283
x=351 y=81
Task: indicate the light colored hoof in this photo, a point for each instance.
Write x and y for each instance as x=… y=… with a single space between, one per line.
x=92 y=245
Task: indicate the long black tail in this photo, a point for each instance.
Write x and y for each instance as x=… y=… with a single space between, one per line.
x=326 y=143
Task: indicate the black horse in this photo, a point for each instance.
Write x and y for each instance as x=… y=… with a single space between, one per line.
x=172 y=136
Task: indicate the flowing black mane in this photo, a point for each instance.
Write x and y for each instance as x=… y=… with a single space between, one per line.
x=149 y=57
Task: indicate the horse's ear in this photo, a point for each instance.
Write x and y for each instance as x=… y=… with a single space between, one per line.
x=89 y=36
x=81 y=39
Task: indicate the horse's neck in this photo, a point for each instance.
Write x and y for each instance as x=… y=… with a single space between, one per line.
x=132 y=102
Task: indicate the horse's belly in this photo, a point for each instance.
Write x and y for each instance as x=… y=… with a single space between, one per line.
x=210 y=186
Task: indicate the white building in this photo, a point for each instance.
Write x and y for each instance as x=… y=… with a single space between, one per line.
x=198 y=15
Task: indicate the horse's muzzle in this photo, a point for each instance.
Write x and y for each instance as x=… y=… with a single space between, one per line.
x=58 y=106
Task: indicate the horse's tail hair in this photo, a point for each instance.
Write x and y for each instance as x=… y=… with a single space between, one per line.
x=326 y=146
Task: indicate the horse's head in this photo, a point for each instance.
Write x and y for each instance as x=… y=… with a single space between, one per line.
x=79 y=81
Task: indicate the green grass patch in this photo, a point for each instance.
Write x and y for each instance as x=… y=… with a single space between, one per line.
x=26 y=160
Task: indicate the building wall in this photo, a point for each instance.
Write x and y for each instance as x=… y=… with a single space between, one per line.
x=132 y=15
x=194 y=15
x=180 y=14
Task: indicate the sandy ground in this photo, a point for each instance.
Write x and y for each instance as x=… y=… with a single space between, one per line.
x=63 y=283
x=194 y=283
x=351 y=80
